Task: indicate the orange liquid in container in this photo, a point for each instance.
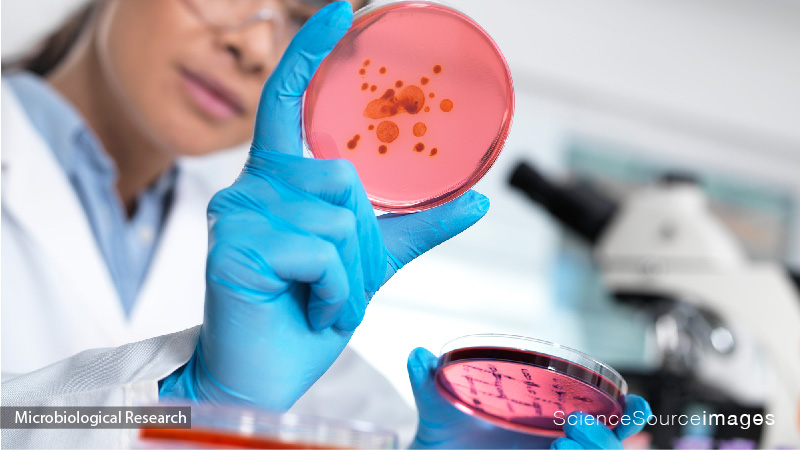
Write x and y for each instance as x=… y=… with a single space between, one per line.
x=233 y=427
x=208 y=438
x=418 y=97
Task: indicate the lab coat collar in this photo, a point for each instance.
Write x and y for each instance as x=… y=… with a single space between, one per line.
x=53 y=217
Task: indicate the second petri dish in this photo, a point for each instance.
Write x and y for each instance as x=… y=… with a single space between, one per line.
x=231 y=427
x=526 y=384
x=418 y=97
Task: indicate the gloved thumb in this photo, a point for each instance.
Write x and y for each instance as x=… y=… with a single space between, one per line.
x=278 y=117
x=639 y=411
x=438 y=420
x=407 y=236
x=421 y=368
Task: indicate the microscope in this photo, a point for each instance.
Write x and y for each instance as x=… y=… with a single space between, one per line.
x=725 y=329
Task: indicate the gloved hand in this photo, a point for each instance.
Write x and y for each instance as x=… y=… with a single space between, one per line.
x=295 y=250
x=441 y=425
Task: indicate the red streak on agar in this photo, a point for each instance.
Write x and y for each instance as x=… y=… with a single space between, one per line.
x=362 y=71
x=366 y=62
x=537 y=383
x=446 y=105
x=424 y=81
x=383 y=149
x=411 y=100
x=420 y=129
x=382 y=70
x=434 y=151
x=388 y=131
x=353 y=143
x=420 y=147
x=210 y=438
x=437 y=69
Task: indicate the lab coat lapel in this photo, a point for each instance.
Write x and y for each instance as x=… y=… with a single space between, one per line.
x=54 y=220
x=172 y=296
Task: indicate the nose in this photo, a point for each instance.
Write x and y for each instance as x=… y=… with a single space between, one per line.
x=253 y=47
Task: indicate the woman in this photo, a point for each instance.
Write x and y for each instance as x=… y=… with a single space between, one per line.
x=118 y=95
x=111 y=250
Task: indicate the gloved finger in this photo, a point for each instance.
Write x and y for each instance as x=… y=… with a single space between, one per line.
x=279 y=251
x=430 y=403
x=278 y=117
x=638 y=410
x=332 y=223
x=565 y=444
x=407 y=236
x=333 y=181
x=312 y=260
x=589 y=433
x=338 y=226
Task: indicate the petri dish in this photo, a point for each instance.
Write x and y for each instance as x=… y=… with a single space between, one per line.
x=418 y=97
x=230 y=427
x=527 y=385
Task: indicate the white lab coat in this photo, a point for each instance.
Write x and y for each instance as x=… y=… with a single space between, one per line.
x=58 y=299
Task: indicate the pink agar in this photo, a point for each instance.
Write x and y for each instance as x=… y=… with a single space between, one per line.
x=522 y=390
x=422 y=152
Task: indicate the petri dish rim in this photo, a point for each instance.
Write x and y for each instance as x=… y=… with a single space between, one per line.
x=526 y=344
x=497 y=144
x=534 y=345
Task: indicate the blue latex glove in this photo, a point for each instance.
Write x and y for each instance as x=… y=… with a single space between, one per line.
x=295 y=250
x=441 y=425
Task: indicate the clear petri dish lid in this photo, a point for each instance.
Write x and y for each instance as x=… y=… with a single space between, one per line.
x=528 y=385
x=418 y=97
x=233 y=427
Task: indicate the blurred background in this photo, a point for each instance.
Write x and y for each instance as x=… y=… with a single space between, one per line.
x=617 y=93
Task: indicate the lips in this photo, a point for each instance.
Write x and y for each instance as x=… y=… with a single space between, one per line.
x=211 y=97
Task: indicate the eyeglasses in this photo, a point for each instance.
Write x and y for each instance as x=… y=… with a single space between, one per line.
x=285 y=16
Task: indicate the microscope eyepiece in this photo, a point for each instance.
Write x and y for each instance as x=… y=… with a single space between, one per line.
x=577 y=206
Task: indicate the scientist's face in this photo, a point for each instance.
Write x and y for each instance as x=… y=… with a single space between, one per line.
x=186 y=72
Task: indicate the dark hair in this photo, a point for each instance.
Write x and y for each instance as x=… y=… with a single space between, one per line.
x=52 y=50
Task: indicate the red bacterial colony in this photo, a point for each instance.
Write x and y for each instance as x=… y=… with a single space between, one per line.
x=388 y=131
x=411 y=100
x=401 y=99
x=446 y=105
x=353 y=143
